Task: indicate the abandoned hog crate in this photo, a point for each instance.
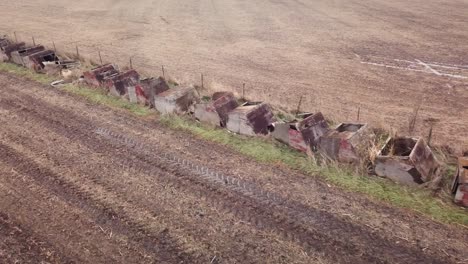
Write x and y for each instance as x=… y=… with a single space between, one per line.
x=125 y=84
x=19 y=56
x=36 y=60
x=303 y=133
x=95 y=77
x=460 y=182
x=250 y=119
x=7 y=50
x=4 y=42
x=152 y=87
x=216 y=111
x=175 y=101
x=406 y=160
x=347 y=143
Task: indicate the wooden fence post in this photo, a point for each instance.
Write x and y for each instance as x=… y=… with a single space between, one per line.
x=299 y=106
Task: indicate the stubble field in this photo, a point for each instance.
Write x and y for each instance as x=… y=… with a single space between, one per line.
x=386 y=58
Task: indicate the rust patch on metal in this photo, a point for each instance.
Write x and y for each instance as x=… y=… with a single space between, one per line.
x=119 y=84
x=224 y=104
x=175 y=101
x=303 y=133
x=251 y=119
x=312 y=128
x=216 y=112
x=348 y=142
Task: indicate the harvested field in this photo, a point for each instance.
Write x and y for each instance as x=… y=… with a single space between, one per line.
x=83 y=183
x=385 y=57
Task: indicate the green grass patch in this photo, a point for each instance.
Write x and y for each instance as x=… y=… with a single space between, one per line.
x=267 y=151
x=100 y=97
x=25 y=73
x=92 y=94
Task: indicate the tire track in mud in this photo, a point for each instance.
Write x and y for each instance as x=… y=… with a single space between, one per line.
x=97 y=179
x=264 y=209
x=163 y=247
x=235 y=250
x=270 y=212
x=114 y=186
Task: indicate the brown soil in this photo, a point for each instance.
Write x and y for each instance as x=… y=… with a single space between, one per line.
x=83 y=183
x=281 y=50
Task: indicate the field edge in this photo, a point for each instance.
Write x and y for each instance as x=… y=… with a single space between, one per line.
x=418 y=200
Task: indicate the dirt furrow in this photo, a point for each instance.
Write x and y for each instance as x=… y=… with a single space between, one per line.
x=52 y=223
x=213 y=221
x=19 y=245
x=161 y=245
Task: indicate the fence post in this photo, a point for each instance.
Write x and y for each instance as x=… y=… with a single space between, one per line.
x=358 y=113
x=77 y=52
x=55 y=48
x=16 y=37
x=100 y=58
x=429 y=137
x=131 y=63
x=34 y=41
x=243 y=91
x=202 y=82
x=299 y=106
x=164 y=74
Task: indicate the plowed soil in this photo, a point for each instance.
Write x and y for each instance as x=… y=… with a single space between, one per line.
x=386 y=58
x=81 y=183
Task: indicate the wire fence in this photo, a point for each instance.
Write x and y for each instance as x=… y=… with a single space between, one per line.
x=336 y=109
x=96 y=54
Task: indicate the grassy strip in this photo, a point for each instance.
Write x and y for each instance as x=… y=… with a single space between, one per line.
x=25 y=73
x=94 y=95
x=99 y=97
x=264 y=150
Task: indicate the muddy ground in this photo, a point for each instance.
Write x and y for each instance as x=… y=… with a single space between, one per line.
x=384 y=57
x=81 y=183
